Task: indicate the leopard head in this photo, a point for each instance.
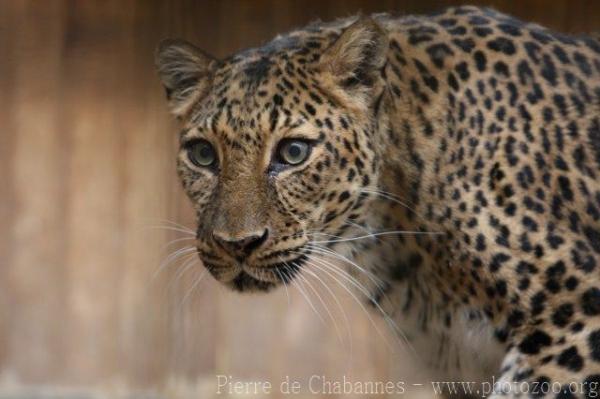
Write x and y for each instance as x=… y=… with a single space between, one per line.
x=277 y=147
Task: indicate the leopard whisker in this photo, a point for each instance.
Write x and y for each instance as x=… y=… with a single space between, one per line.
x=172 y=242
x=187 y=265
x=328 y=251
x=171 y=228
x=165 y=223
x=381 y=233
x=172 y=257
x=340 y=307
x=318 y=232
x=377 y=282
x=192 y=288
x=305 y=295
x=287 y=293
x=333 y=320
x=355 y=298
x=398 y=333
x=393 y=198
x=358 y=226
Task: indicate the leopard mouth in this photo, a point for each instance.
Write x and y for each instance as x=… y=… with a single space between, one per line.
x=244 y=282
x=265 y=278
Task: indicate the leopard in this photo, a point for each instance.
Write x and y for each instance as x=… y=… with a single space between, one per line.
x=445 y=167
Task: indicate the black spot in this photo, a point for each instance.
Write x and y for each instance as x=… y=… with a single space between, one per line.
x=591 y=385
x=343 y=123
x=570 y=359
x=448 y=22
x=330 y=216
x=594 y=344
x=501 y=288
x=277 y=100
x=501 y=68
x=343 y=196
x=561 y=55
x=571 y=283
x=463 y=70
x=593 y=237
x=420 y=35
x=348 y=145
x=577 y=327
x=458 y=30
x=510 y=29
x=365 y=180
x=559 y=101
x=516 y=318
x=503 y=45
x=554 y=241
x=538 y=303
x=590 y=302
x=560 y=163
x=316 y=98
x=594 y=137
x=554 y=276
x=351 y=174
x=480 y=60
x=480 y=242
x=310 y=109
x=497 y=261
x=530 y=223
x=483 y=31
x=542 y=384
x=585 y=262
x=429 y=80
x=525 y=73
x=582 y=63
x=273 y=118
x=452 y=82
x=562 y=315
x=548 y=70
x=466 y=45
x=534 y=342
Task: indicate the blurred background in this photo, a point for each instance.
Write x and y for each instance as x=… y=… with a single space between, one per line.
x=89 y=201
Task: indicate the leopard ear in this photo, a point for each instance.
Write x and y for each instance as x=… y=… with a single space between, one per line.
x=356 y=58
x=186 y=73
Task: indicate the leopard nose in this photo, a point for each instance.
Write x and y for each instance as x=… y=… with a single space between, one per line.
x=241 y=247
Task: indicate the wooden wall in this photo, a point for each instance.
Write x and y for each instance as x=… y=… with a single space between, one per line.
x=87 y=174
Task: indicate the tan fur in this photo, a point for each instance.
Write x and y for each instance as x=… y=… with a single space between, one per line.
x=454 y=170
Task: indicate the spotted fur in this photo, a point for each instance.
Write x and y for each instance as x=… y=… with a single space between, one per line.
x=477 y=132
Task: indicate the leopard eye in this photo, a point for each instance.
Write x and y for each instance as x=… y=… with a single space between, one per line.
x=293 y=152
x=201 y=153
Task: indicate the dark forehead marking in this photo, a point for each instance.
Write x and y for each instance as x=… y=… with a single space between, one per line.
x=258 y=70
x=255 y=63
x=279 y=44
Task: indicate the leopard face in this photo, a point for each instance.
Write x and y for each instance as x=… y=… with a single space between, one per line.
x=276 y=150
